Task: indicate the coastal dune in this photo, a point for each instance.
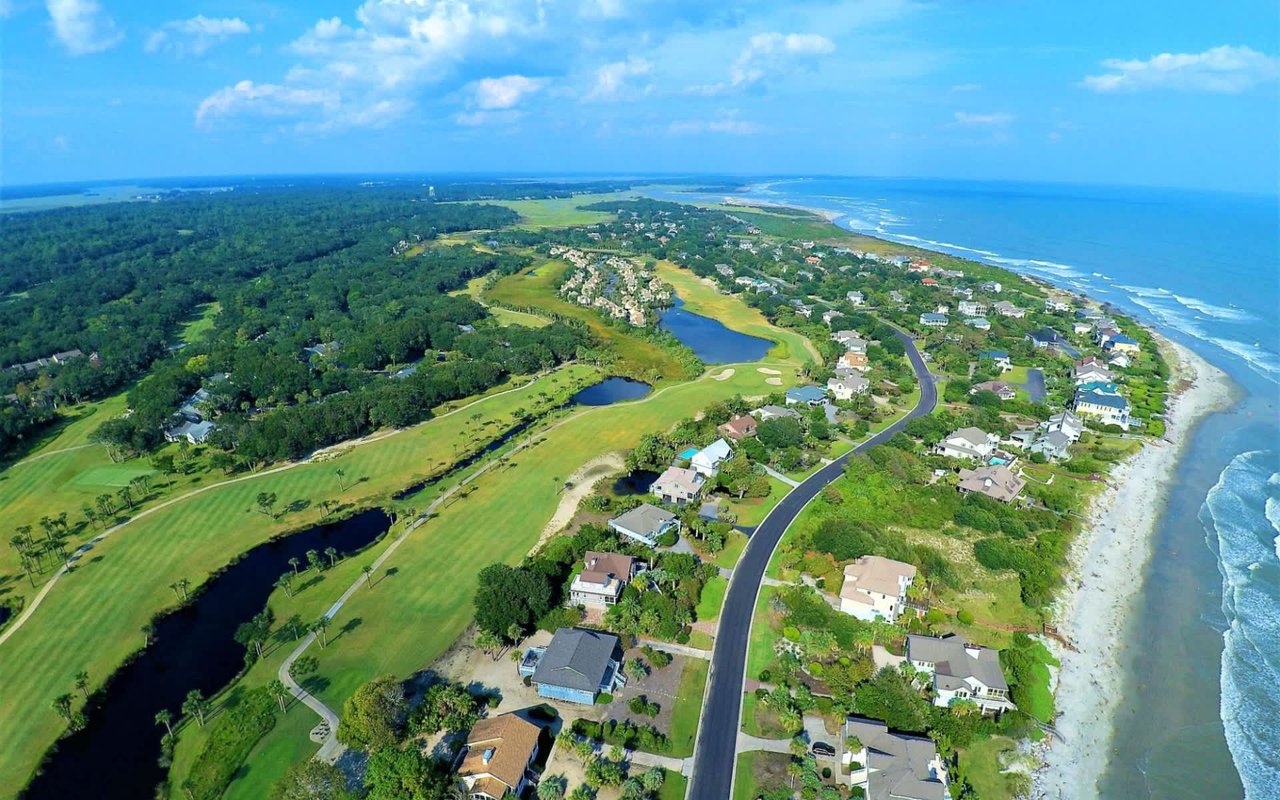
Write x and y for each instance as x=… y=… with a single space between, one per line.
x=1095 y=605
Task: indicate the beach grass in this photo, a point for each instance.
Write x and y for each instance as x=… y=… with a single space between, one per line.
x=980 y=763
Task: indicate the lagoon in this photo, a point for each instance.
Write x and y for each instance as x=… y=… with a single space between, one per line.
x=610 y=391
x=710 y=339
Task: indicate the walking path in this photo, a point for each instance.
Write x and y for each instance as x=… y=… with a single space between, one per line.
x=792 y=482
x=678 y=649
x=748 y=742
x=48 y=453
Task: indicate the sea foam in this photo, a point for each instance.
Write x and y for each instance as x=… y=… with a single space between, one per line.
x=1242 y=519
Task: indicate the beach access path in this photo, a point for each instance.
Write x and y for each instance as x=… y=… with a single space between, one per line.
x=715 y=753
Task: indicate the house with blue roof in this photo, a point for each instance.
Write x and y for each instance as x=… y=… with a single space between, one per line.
x=1108 y=409
x=806 y=395
x=999 y=356
x=1120 y=343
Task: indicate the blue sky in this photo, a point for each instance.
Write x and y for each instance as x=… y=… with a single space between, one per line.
x=1155 y=93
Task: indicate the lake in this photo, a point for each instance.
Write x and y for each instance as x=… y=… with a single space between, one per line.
x=193 y=648
x=710 y=339
x=611 y=390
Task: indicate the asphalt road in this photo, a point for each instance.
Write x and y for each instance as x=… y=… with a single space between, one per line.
x=716 y=756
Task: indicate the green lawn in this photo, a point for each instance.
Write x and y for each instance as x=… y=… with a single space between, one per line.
x=733 y=547
x=674 y=787
x=712 y=598
x=1016 y=375
x=561 y=212
x=981 y=765
x=688 y=707
x=202 y=324
x=763 y=637
x=752 y=511
x=111 y=476
x=90 y=620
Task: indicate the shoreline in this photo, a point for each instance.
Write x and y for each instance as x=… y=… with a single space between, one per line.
x=1094 y=604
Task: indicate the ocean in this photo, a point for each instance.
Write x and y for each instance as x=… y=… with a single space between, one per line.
x=1199 y=716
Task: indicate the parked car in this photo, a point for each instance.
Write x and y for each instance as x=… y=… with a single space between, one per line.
x=822 y=749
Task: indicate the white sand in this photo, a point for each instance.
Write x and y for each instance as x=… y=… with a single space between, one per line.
x=767 y=371
x=725 y=375
x=1107 y=561
x=582 y=480
x=773 y=381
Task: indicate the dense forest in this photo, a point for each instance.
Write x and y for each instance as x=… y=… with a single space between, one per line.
x=344 y=271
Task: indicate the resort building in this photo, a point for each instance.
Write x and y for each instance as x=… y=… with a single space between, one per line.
x=876 y=587
x=893 y=766
x=997 y=482
x=603 y=577
x=646 y=523
x=495 y=761
x=961 y=670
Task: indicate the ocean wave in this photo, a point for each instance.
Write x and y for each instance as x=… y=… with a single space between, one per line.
x=1217 y=312
x=1038 y=265
x=1241 y=517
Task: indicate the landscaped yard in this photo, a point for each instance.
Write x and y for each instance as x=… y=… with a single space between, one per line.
x=712 y=598
x=981 y=764
x=751 y=511
x=688 y=708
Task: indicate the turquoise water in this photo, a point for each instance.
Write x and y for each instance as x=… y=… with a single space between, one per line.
x=1200 y=713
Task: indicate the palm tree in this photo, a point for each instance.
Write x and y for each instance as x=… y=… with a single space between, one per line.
x=146 y=631
x=294 y=562
x=342 y=478
x=332 y=554
x=82 y=683
x=285 y=581
x=183 y=584
x=195 y=706
x=90 y=515
x=277 y=690
x=105 y=507
x=368 y=576
x=62 y=704
x=313 y=560
x=321 y=627
x=174 y=587
x=126 y=494
x=165 y=717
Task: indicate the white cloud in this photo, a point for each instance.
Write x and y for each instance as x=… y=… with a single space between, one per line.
x=611 y=79
x=505 y=92
x=1225 y=69
x=768 y=51
x=265 y=99
x=475 y=119
x=82 y=26
x=961 y=88
x=194 y=36
x=964 y=119
x=728 y=123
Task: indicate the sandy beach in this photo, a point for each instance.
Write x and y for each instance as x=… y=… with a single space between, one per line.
x=1094 y=606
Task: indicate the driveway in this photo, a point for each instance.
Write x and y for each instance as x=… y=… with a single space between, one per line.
x=716 y=754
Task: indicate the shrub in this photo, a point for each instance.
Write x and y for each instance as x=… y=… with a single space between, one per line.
x=668 y=539
x=234 y=733
x=965 y=616
x=604 y=699
x=560 y=617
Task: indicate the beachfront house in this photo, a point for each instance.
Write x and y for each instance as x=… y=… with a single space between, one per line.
x=647 y=523
x=806 y=395
x=1119 y=360
x=494 y=763
x=845 y=388
x=996 y=481
x=707 y=461
x=892 y=766
x=1053 y=445
x=1106 y=407
x=1000 y=357
x=876 y=587
x=1066 y=423
x=1121 y=344
x=740 y=427
x=1089 y=370
x=969 y=443
x=960 y=670
x=603 y=577
x=576 y=667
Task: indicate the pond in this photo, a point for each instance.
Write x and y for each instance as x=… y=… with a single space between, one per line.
x=711 y=340
x=192 y=648
x=611 y=390
x=634 y=482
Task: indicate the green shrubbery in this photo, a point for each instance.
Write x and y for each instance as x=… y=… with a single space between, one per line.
x=624 y=734
x=234 y=733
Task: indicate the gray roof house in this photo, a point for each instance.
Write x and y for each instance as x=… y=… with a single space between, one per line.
x=645 y=523
x=961 y=671
x=1053 y=445
x=774 y=412
x=577 y=666
x=894 y=766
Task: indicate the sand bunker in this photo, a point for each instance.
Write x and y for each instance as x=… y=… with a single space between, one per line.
x=773 y=381
x=724 y=376
x=768 y=371
x=582 y=481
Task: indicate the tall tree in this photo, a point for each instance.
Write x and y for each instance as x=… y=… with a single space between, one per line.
x=82 y=683
x=278 y=690
x=195 y=705
x=165 y=717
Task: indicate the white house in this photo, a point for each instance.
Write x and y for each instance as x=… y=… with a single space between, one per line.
x=876 y=587
x=978 y=323
x=1006 y=309
x=933 y=320
x=852 y=341
x=1109 y=409
x=971 y=308
x=973 y=443
x=845 y=388
x=856 y=298
x=707 y=461
x=1066 y=423
x=961 y=670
